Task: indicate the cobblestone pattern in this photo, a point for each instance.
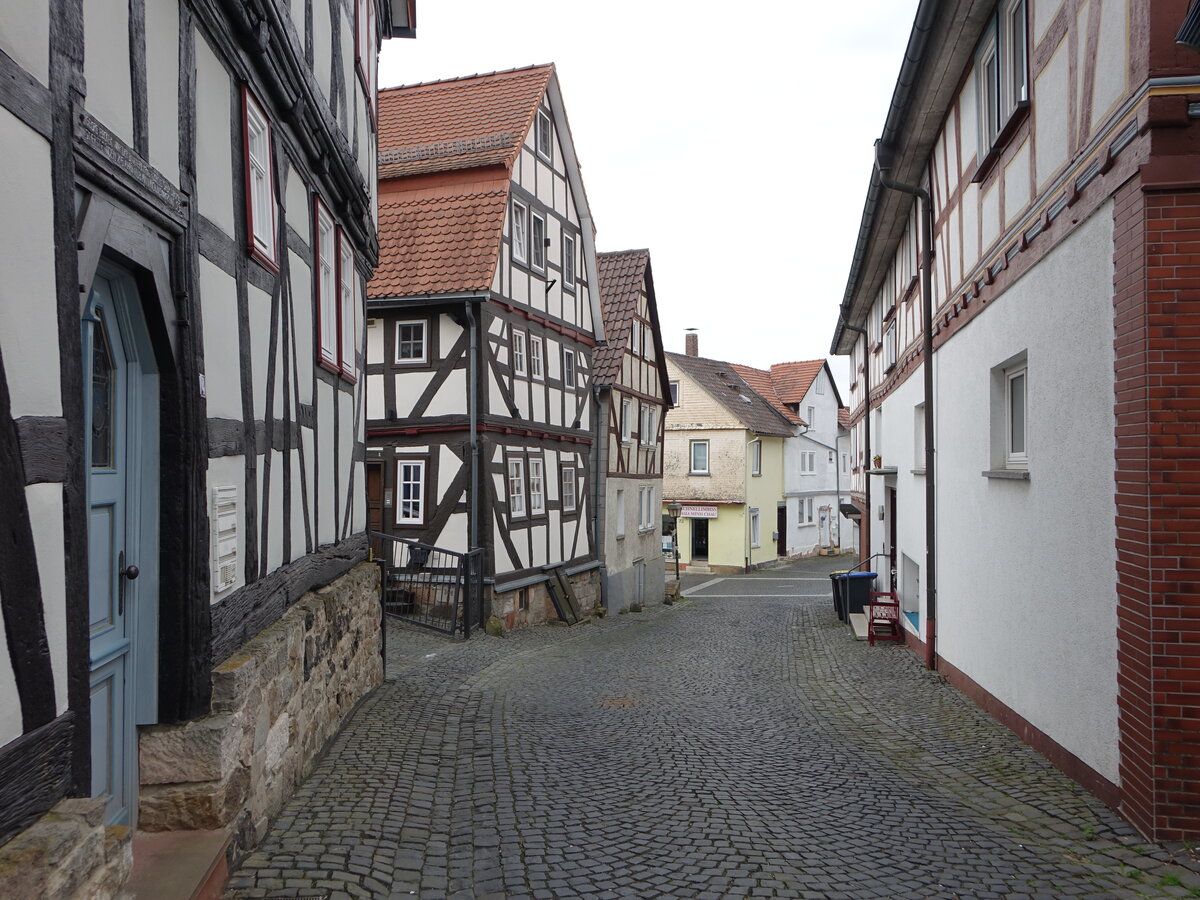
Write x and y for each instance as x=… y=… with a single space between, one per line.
x=713 y=748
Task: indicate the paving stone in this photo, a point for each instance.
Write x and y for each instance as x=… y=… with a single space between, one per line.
x=732 y=745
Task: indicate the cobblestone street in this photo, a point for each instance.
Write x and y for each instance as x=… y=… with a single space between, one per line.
x=738 y=743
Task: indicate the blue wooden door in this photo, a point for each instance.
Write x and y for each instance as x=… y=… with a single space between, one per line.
x=118 y=377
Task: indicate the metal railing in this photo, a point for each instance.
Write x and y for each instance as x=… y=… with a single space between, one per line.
x=430 y=586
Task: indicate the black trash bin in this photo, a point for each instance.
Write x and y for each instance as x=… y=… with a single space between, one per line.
x=837 y=582
x=856 y=589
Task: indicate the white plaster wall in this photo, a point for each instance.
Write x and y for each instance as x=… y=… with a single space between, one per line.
x=11 y=726
x=106 y=65
x=970 y=229
x=309 y=443
x=374 y=341
x=1051 y=109
x=328 y=486
x=448 y=466
x=298 y=212
x=990 y=216
x=409 y=386
x=258 y=308
x=26 y=38
x=345 y=448
x=222 y=371
x=1112 y=69
x=899 y=430
x=359 y=521
x=1027 y=602
x=223 y=471
x=28 y=316
x=322 y=48
x=214 y=165
x=968 y=133
x=162 y=87
x=451 y=396
x=297 y=522
x=375 y=404
x=1042 y=14
x=272 y=506
x=454 y=535
x=46 y=516
x=1017 y=184
x=541 y=555
x=302 y=321
x=504 y=562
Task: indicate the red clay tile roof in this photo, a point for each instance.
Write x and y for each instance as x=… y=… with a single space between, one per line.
x=793 y=379
x=462 y=123
x=844 y=417
x=622 y=275
x=761 y=381
x=439 y=239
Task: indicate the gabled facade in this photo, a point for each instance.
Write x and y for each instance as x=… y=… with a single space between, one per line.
x=483 y=322
x=634 y=394
x=724 y=462
x=816 y=466
x=186 y=251
x=1055 y=146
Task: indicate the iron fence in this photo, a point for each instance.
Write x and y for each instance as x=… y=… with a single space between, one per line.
x=430 y=586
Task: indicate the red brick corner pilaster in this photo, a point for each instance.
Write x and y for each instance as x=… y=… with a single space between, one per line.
x=1156 y=317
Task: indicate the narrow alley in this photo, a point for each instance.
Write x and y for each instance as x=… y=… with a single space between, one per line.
x=738 y=743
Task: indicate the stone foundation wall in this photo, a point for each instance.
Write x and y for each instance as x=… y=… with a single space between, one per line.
x=69 y=852
x=276 y=704
x=506 y=607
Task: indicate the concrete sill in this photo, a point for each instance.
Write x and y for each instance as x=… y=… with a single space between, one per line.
x=1006 y=474
x=916 y=471
x=882 y=470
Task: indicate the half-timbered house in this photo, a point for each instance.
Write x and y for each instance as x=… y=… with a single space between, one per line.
x=1038 y=183
x=724 y=462
x=189 y=227
x=483 y=320
x=633 y=391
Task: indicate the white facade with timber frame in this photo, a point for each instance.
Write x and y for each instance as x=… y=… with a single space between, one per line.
x=1056 y=143
x=483 y=321
x=190 y=228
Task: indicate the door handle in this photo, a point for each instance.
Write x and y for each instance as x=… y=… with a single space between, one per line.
x=124 y=574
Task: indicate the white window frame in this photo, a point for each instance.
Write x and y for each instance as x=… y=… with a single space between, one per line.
x=1016 y=458
x=755 y=528
x=626 y=420
x=1001 y=72
x=520 y=231
x=325 y=271
x=348 y=312
x=648 y=425
x=756 y=458
x=620 y=512
x=403 y=481
x=518 y=353
x=809 y=506
x=537 y=239
x=569 y=479
x=568 y=260
x=544 y=134
x=515 y=478
x=537 y=486
x=569 y=377
x=537 y=369
x=260 y=185
x=889 y=345
x=673 y=387
x=692 y=447
x=424 y=343
x=811 y=421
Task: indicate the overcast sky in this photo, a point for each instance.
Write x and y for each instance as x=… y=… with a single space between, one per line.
x=734 y=140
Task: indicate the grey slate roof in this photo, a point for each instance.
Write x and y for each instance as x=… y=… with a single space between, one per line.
x=731 y=390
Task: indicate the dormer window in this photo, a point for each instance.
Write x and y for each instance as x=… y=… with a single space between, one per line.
x=545 y=147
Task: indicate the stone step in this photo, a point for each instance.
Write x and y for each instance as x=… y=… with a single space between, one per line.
x=189 y=865
x=858 y=621
x=695 y=569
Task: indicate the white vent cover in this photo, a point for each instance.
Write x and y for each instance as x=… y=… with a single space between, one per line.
x=224 y=518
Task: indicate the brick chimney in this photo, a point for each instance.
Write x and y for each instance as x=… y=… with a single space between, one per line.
x=691 y=343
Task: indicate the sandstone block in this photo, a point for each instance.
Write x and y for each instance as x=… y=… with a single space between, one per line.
x=204 y=750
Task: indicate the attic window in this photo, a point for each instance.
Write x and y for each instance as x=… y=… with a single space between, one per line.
x=544 y=146
x=745 y=399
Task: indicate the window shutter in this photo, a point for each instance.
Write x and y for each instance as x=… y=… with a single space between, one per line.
x=224 y=518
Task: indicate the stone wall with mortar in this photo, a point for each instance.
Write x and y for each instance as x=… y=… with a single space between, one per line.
x=69 y=852
x=276 y=703
x=506 y=605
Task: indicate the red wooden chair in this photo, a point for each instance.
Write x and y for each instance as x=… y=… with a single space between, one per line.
x=883 y=618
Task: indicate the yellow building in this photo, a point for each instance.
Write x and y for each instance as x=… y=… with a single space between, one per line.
x=724 y=464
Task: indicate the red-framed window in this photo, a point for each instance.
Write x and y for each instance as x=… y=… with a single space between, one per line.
x=260 y=182
x=325 y=265
x=347 y=308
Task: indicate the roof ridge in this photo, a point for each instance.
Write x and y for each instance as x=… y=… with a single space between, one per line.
x=416 y=84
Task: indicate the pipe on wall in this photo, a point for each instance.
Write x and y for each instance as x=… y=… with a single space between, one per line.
x=927 y=352
x=599 y=466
